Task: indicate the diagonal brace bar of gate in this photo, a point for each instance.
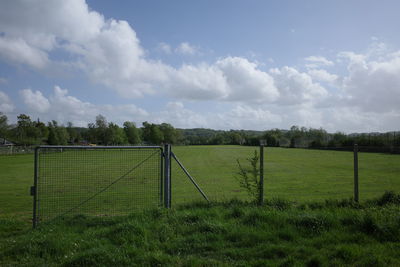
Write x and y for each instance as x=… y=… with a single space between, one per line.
x=189 y=176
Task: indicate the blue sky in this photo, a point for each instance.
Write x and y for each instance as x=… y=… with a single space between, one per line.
x=213 y=64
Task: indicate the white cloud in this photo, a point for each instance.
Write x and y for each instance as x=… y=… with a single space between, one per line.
x=200 y=82
x=5 y=103
x=109 y=53
x=246 y=81
x=18 y=51
x=373 y=85
x=317 y=62
x=63 y=107
x=186 y=49
x=247 y=117
x=164 y=47
x=179 y=116
x=35 y=101
x=295 y=87
x=322 y=76
x=228 y=79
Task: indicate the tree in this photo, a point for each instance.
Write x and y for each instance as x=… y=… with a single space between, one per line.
x=115 y=135
x=3 y=125
x=156 y=135
x=58 y=135
x=169 y=133
x=26 y=133
x=132 y=133
x=74 y=136
x=101 y=129
x=52 y=137
x=152 y=133
x=91 y=134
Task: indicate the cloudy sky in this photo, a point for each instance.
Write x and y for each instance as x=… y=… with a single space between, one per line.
x=224 y=64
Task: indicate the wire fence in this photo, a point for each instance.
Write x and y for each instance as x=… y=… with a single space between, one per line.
x=13 y=150
x=101 y=181
x=295 y=174
x=106 y=181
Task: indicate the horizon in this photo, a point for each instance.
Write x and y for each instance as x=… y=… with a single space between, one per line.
x=226 y=65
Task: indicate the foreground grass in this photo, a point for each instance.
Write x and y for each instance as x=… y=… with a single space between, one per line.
x=281 y=233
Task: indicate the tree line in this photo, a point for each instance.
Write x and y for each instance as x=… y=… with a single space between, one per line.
x=101 y=132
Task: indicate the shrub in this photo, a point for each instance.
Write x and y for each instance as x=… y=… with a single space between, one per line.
x=249 y=177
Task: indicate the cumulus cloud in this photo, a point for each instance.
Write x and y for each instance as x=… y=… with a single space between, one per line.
x=246 y=81
x=323 y=76
x=5 y=103
x=179 y=116
x=296 y=87
x=373 y=85
x=16 y=50
x=35 y=101
x=64 y=108
x=317 y=61
x=186 y=49
x=109 y=53
x=164 y=47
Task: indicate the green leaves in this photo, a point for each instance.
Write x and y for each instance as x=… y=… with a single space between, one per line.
x=249 y=177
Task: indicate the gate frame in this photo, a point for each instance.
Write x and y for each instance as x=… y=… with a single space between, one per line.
x=34 y=188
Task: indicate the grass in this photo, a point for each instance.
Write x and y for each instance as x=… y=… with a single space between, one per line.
x=293 y=174
x=308 y=220
x=235 y=233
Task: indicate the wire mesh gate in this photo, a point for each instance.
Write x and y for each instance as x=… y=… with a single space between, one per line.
x=97 y=181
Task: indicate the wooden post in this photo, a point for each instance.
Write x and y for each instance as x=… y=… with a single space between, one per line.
x=355 y=172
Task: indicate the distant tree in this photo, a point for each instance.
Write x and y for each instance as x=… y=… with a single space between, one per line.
x=152 y=133
x=101 y=129
x=132 y=133
x=4 y=128
x=52 y=137
x=26 y=133
x=156 y=135
x=74 y=135
x=58 y=135
x=169 y=133
x=115 y=135
x=91 y=133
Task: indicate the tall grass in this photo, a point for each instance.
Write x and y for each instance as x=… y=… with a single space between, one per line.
x=234 y=233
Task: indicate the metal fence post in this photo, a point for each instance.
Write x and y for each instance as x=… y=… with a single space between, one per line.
x=167 y=176
x=34 y=188
x=261 y=196
x=355 y=172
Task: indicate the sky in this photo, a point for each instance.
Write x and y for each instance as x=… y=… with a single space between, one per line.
x=224 y=64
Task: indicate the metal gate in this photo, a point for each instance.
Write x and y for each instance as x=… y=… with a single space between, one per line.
x=96 y=181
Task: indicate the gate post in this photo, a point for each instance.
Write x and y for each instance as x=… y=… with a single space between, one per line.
x=34 y=188
x=261 y=192
x=355 y=172
x=167 y=176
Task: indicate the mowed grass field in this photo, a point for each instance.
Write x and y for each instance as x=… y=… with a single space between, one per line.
x=292 y=174
x=297 y=226
x=299 y=175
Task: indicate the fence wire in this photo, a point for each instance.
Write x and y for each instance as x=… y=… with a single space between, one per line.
x=296 y=174
x=97 y=181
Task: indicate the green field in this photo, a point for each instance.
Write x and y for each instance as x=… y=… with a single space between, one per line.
x=308 y=218
x=293 y=174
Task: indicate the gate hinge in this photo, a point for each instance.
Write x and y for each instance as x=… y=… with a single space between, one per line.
x=33 y=190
